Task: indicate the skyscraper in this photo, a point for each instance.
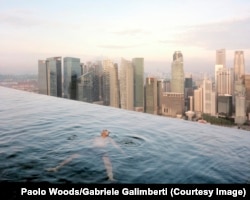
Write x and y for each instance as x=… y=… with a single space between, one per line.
x=225 y=81
x=50 y=76
x=138 y=66
x=85 y=87
x=126 y=85
x=240 y=102
x=177 y=81
x=221 y=57
x=207 y=99
x=151 y=95
x=54 y=66
x=72 y=71
x=42 y=77
x=198 y=101
x=106 y=64
x=239 y=65
x=114 y=86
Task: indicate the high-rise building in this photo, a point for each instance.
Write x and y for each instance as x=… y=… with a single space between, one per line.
x=54 y=65
x=159 y=96
x=126 y=85
x=50 y=76
x=246 y=82
x=86 y=87
x=177 y=73
x=240 y=102
x=217 y=68
x=106 y=64
x=225 y=81
x=114 y=87
x=151 y=95
x=239 y=65
x=198 y=101
x=221 y=57
x=213 y=103
x=138 y=66
x=188 y=90
x=207 y=99
x=225 y=105
x=71 y=73
x=42 y=77
x=172 y=104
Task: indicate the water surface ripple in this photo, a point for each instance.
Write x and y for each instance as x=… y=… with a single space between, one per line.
x=38 y=132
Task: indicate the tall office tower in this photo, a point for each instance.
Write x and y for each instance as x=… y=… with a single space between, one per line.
x=151 y=95
x=225 y=103
x=106 y=64
x=96 y=69
x=85 y=87
x=126 y=85
x=213 y=103
x=188 y=90
x=42 y=77
x=246 y=82
x=172 y=104
x=50 y=76
x=198 y=102
x=138 y=65
x=177 y=73
x=240 y=102
x=225 y=81
x=114 y=87
x=217 y=68
x=239 y=65
x=207 y=90
x=72 y=71
x=221 y=57
x=159 y=96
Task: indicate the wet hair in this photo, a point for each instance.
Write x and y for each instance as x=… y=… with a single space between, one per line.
x=106 y=131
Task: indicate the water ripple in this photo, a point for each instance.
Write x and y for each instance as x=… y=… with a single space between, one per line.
x=38 y=132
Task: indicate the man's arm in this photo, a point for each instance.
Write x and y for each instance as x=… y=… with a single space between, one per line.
x=117 y=146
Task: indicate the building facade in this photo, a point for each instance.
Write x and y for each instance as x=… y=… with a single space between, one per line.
x=42 y=77
x=172 y=104
x=225 y=81
x=138 y=66
x=177 y=73
x=221 y=57
x=114 y=87
x=126 y=84
x=50 y=76
x=71 y=73
x=239 y=65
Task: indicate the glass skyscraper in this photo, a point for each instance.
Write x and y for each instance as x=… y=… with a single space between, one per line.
x=72 y=71
x=42 y=77
x=50 y=76
x=138 y=66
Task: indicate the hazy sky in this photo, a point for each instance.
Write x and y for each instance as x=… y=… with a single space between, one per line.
x=31 y=30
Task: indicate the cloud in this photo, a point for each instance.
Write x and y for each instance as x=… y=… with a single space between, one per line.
x=19 y=17
x=119 y=46
x=233 y=34
x=131 y=32
x=23 y=18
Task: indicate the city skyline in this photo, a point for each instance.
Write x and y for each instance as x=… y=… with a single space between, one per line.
x=95 y=30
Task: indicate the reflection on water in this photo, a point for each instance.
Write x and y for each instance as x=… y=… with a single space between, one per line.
x=38 y=132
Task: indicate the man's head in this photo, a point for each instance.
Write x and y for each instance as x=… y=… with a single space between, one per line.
x=105 y=133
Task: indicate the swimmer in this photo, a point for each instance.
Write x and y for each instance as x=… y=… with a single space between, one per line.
x=98 y=143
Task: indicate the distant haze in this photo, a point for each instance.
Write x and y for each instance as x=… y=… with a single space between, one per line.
x=92 y=30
